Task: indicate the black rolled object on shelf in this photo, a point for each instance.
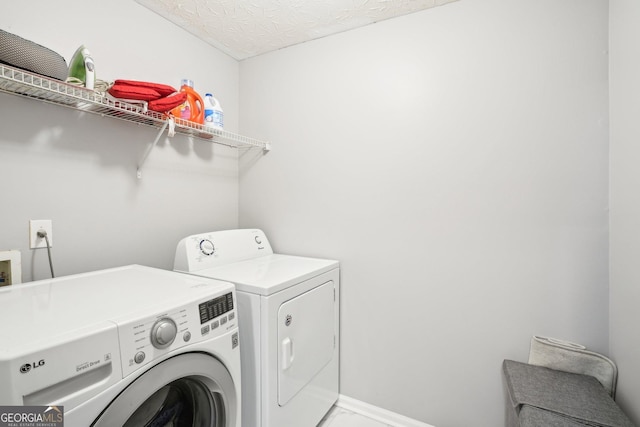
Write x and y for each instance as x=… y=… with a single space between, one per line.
x=27 y=55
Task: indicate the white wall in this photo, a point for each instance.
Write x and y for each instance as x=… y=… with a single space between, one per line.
x=455 y=161
x=80 y=170
x=625 y=201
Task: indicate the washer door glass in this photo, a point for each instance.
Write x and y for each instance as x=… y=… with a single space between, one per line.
x=184 y=402
x=191 y=389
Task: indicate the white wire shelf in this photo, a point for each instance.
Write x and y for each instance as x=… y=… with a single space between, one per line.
x=18 y=82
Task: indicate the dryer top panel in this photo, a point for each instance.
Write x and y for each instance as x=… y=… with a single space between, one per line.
x=48 y=310
x=269 y=274
x=245 y=258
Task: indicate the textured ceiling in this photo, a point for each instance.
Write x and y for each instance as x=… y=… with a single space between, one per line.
x=246 y=28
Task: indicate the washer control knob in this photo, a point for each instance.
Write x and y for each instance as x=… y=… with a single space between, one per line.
x=139 y=357
x=206 y=247
x=163 y=333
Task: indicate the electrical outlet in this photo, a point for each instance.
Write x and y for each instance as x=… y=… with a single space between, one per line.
x=36 y=225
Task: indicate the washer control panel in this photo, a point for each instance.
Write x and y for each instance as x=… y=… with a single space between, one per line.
x=216 y=307
x=144 y=340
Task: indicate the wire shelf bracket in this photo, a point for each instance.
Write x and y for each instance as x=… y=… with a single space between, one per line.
x=149 y=149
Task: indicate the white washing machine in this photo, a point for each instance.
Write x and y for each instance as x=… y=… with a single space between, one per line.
x=288 y=308
x=130 y=346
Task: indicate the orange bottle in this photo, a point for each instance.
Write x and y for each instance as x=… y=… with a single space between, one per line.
x=193 y=108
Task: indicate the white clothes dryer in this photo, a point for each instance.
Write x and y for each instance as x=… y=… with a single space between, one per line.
x=288 y=309
x=130 y=346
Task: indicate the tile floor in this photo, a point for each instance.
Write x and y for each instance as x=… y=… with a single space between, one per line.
x=339 y=417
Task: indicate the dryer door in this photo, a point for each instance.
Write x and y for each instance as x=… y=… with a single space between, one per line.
x=191 y=389
x=306 y=336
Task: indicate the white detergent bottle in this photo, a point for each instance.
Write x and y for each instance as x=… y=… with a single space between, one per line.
x=213 y=114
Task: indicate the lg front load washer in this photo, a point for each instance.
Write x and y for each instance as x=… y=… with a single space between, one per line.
x=131 y=346
x=288 y=309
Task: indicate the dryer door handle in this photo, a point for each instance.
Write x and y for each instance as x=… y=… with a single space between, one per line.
x=287 y=353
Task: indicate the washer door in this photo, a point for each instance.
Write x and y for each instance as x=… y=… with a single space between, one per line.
x=193 y=389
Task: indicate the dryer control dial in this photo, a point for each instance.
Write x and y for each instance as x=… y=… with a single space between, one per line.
x=163 y=333
x=206 y=247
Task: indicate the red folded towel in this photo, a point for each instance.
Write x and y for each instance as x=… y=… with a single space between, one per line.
x=161 y=97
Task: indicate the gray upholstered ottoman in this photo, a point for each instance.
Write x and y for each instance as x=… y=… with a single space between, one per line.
x=542 y=397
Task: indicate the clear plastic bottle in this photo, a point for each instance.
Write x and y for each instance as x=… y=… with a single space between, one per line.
x=213 y=114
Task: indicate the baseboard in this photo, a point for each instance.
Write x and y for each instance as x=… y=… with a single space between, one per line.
x=378 y=414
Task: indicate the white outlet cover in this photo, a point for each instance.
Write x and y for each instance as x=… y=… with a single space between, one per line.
x=35 y=225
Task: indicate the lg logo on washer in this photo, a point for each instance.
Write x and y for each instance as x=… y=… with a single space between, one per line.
x=28 y=366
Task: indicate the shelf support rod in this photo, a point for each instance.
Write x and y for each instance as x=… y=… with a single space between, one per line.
x=151 y=146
